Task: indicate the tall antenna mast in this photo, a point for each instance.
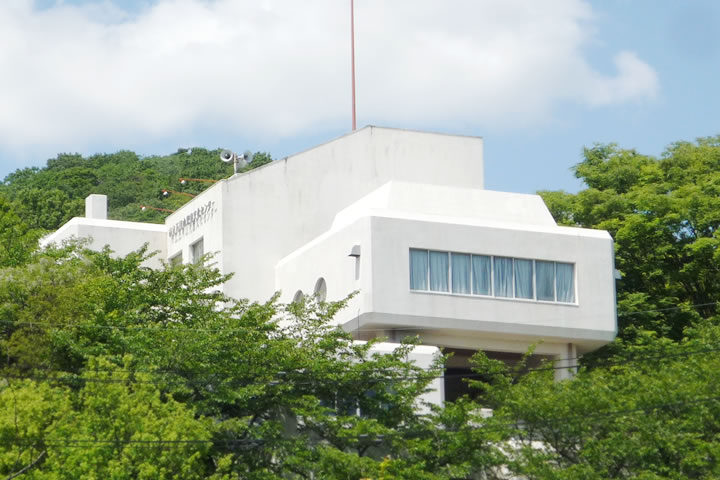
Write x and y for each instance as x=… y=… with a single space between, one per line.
x=352 y=56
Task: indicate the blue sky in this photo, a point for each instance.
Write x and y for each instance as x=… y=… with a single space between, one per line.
x=537 y=80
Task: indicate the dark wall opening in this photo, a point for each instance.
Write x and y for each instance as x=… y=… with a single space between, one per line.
x=458 y=370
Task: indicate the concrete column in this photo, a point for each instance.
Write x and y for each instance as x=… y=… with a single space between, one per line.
x=566 y=363
x=96 y=206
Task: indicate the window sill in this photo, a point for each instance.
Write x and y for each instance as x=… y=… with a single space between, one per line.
x=491 y=297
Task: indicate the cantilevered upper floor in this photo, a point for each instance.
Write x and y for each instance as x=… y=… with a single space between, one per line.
x=401 y=217
x=463 y=268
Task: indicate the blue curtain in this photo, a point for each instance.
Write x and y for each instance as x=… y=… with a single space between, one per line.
x=523 y=278
x=545 y=280
x=418 y=269
x=503 y=277
x=460 y=272
x=439 y=266
x=481 y=275
x=565 y=282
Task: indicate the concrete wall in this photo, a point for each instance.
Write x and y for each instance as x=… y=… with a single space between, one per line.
x=589 y=323
x=328 y=257
x=385 y=305
x=280 y=207
x=252 y=220
x=202 y=218
x=422 y=356
x=398 y=216
x=287 y=224
x=122 y=237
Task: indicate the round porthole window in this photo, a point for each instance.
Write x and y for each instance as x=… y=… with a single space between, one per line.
x=299 y=295
x=320 y=289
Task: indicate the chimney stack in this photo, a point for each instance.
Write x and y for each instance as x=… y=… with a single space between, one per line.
x=96 y=206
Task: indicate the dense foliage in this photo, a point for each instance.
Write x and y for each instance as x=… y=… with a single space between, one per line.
x=17 y=238
x=664 y=214
x=113 y=370
x=651 y=411
x=50 y=196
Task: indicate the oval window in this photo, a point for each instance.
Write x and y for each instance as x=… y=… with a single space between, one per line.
x=320 y=289
x=299 y=295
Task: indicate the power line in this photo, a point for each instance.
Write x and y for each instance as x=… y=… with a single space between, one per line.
x=640 y=312
x=502 y=426
x=70 y=378
x=619 y=315
x=170 y=326
x=165 y=328
x=615 y=413
x=208 y=376
x=286 y=378
x=662 y=354
x=213 y=375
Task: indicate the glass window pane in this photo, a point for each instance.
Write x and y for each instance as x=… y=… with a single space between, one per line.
x=481 y=274
x=545 y=280
x=197 y=250
x=565 y=282
x=503 y=277
x=439 y=267
x=418 y=269
x=523 y=278
x=460 y=273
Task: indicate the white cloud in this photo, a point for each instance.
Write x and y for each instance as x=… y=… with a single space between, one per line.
x=79 y=75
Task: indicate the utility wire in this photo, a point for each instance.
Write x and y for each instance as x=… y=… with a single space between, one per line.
x=171 y=325
x=640 y=356
x=663 y=352
x=286 y=379
x=570 y=360
x=668 y=309
x=165 y=328
x=520 y=425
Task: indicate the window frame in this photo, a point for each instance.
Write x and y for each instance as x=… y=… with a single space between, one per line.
x=492 y=287
x=194 y=258
x=176 y=259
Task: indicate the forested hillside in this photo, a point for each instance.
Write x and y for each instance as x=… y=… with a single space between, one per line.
x=48 y=197
x=112 y=370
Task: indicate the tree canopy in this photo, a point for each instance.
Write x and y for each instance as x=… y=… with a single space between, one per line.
x=112 y=370
x=50 y=196
x=650 y=411
x=664 y=215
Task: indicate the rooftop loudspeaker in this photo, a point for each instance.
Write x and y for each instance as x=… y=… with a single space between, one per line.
x=227 y=156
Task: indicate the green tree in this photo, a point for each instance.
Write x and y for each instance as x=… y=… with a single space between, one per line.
x=17 y=239
x=649 y=412
x=277 y=391
x=28 y=413
x=664 y=214
x=52 y=195
x=48 y=209
x=111 y=426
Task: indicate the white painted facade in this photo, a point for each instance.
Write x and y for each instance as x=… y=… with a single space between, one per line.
x=421 y=356
x=350 y=211
x=122 y=237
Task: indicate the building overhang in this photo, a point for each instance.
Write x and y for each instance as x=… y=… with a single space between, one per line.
x=478 y=334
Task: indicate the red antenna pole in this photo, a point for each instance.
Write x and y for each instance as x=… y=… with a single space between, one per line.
x=352 y=56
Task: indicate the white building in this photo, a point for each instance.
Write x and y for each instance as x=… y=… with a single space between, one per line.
x=401 y=217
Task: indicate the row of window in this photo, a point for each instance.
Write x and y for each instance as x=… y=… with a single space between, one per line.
x=320 y=292
x=197 y=250
x=506 y=277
